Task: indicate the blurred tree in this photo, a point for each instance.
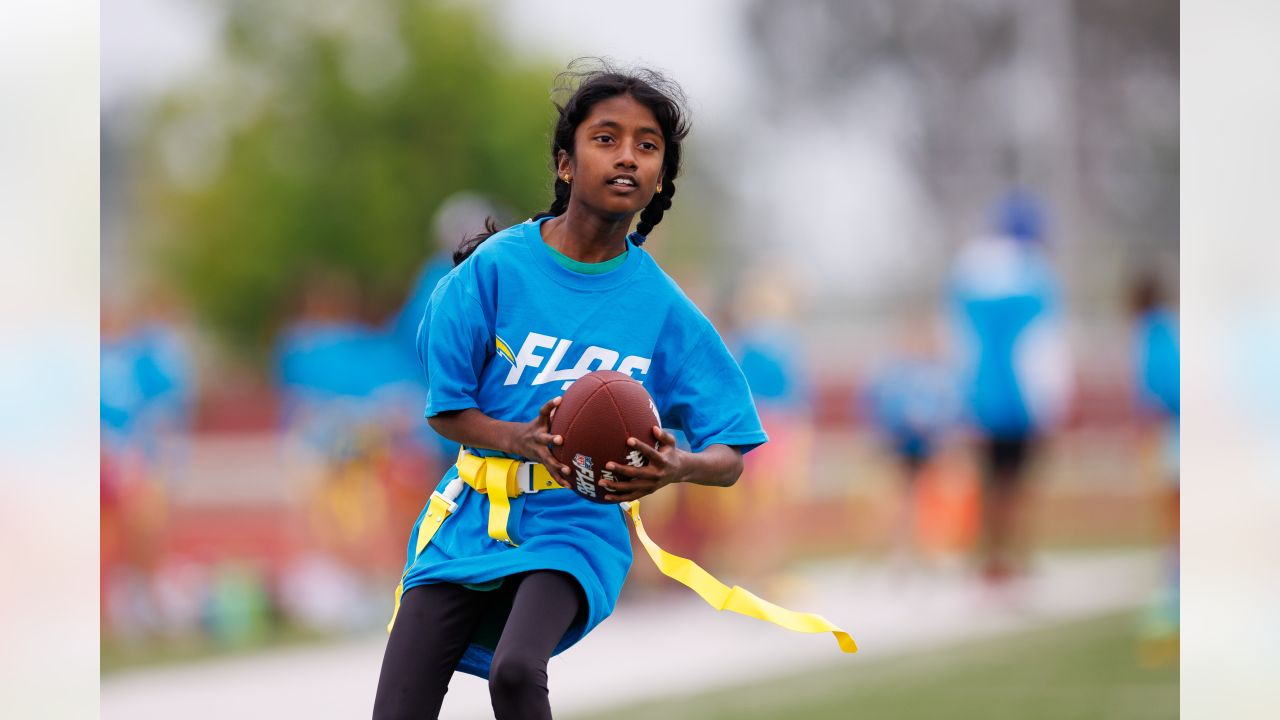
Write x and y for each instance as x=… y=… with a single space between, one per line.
x=1075 y=98
x=326 y=138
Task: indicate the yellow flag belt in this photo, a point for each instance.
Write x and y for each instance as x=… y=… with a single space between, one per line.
x=503 y=478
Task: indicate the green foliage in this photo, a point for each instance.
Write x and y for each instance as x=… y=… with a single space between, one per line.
x=326 y=140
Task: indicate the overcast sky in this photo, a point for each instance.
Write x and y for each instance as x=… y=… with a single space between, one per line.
x=697 y=43
x=148 y=45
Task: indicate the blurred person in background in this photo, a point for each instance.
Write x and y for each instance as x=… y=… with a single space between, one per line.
x=461 y=215
x=331 y=367
x=1011 y=353
x=913 y=401
x=315 y=358
x=752 y=521
x=419 y=454
x=1156 y=379
x=147 y=392
x=148 y=382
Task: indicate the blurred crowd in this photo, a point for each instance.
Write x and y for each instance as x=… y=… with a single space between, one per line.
x=959 y=408
x=347 y=435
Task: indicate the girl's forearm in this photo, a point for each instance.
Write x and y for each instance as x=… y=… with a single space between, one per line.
x=717 y=466
x=473 y=428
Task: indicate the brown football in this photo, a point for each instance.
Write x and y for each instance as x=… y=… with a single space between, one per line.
x=597 y=414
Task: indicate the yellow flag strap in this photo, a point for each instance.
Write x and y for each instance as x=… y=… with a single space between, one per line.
x=509 y=478
x=438 y=510
x=503 y=479
x=499 y=502
x=734 y=599
x=504 y=476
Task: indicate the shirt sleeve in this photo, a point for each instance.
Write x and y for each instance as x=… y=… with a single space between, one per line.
x=710 y=401
x=452 y=346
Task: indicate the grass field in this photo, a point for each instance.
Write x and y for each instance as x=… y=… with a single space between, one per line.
x=1085 y=669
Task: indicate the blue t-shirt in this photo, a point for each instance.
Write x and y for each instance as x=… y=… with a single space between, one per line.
x=913 y=401
x=147 y=386
x=1157 y=361
x=403 y=330
x=508 y=330
x=772 y=365
x=404 y=325
x=338 y=376
x=1006 y=316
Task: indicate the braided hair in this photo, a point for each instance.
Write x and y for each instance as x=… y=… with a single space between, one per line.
x=594 y=84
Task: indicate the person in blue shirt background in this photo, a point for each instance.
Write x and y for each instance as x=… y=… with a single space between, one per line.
x=460 y=216
x=146 y=404
x=1156 y=360
x=326 y=368
x=1157 y=393
x=912 y=399
x=342 y=383
x=403 y=329
x=772 y=355
x=526 y=311
x=1006 y=315
x=147 y=385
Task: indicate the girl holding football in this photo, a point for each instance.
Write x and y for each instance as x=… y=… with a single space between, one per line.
x=525 y=311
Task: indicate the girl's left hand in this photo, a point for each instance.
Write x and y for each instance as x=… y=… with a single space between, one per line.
x=666 y=466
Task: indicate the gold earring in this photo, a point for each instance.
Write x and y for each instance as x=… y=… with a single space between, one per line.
x=659 y=188
x=568 y=178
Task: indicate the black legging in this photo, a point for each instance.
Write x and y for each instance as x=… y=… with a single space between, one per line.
x=437 y=622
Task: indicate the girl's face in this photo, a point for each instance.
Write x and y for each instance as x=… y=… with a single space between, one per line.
x=617 y=160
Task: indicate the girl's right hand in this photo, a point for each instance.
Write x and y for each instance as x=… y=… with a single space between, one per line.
x=532 y=441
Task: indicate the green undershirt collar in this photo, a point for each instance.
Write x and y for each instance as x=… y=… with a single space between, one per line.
x=569 y=263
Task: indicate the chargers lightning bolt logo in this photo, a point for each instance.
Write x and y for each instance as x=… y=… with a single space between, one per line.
x=504 y=350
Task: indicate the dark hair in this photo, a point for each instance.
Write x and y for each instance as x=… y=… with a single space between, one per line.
x=1145 y=293
x=590 y=86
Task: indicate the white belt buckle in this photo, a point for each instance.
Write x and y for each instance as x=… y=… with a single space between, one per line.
x=526 y=478
x=452 y=505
